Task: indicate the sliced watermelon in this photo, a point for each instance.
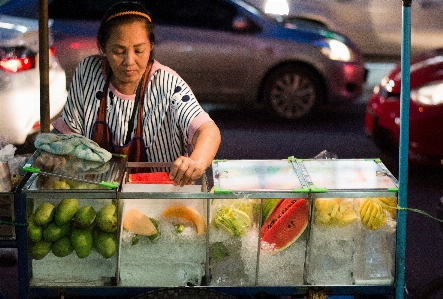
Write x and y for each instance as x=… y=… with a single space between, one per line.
x=150 y=178
x=285 y=224
x=269 y=205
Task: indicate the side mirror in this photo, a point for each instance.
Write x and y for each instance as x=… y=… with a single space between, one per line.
x=242 y=24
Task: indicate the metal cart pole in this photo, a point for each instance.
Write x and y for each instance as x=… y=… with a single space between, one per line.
x=403 y=149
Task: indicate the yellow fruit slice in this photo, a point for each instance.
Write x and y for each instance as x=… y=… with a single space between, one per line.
x=137 y=222
x=334 y=211
x=372 y=214
x=189 y=214
x=389 y=204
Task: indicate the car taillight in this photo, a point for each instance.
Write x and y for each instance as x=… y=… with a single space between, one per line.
x=52 y=51
x=16 y=59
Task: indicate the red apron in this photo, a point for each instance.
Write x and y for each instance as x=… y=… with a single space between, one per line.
x=135 y=149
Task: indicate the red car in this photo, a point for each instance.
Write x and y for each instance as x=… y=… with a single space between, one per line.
x=382 y=119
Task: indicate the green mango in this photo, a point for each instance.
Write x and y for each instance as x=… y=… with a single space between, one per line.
x=66 y=210
x=60 y=185
x=35 y=232
x=74 y=184
x=52 y=232
x=44 y=213
x=39 y=249
x=82 y=242
x=62 y=247
x=106 y=218
x=105 y=244
x=85 y=217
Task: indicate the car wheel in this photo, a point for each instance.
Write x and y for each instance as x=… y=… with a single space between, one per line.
x=292 y=91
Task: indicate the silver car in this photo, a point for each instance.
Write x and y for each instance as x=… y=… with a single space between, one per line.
x=228 y=52
x=19 y=80
x=374 y=25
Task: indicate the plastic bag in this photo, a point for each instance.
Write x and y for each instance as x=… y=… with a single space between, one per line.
x=326 y=155
x=7 y=153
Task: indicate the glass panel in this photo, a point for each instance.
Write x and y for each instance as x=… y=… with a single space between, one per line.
x=7 y=229
x=352 y=241
x=256 y=175
x=163 y=242
x=283 y=239
x=233 y=241
x=348 y=174
x=72 y=241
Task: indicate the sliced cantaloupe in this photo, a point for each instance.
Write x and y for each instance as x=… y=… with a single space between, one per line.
x=188 y=213
x=138 y=223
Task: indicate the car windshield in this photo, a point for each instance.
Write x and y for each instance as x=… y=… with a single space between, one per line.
x=249 y=7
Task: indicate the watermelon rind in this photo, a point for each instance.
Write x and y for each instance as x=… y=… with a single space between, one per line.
x=268 y=206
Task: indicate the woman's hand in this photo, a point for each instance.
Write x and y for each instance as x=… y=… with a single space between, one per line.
x=206 y=141
x=185 y=171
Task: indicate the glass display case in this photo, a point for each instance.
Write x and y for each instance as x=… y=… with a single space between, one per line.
x=163 y=231
x=248 y=224
x=262 y=232
x=72 y=233
x=353 y=224
x=72 y=215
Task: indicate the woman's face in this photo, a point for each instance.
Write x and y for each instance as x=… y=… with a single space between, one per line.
x=127 y=51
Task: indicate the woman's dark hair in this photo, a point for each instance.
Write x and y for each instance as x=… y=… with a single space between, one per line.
x=123 y=13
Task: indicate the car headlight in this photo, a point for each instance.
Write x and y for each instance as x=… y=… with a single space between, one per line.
x=277 y=7
x=431 y=94
x=337 y=50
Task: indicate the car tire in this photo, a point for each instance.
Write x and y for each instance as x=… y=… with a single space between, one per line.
x=292 y=91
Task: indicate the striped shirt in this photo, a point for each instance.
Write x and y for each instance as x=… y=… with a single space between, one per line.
x=171 y=113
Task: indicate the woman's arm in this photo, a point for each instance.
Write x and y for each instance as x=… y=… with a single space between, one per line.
x=205 y=141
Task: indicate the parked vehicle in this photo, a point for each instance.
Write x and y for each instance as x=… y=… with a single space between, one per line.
x=382 y=120
x=374 y=25
x=20 y=80
x=227 y=51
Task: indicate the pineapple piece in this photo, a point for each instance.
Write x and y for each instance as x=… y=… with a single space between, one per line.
x=334 y=211
x=372 y=214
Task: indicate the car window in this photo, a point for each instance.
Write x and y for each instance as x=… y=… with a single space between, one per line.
x=2 y=2
x=210 y=14
x=79 y=9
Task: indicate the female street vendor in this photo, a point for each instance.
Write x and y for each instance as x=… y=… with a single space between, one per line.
x=129 y=103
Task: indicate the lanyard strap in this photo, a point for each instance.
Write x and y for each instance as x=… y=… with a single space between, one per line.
x=131 y=120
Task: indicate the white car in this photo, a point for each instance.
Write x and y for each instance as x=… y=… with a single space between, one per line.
x=20 y=80
x=374 y=25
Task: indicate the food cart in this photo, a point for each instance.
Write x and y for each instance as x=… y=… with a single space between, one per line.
x=318 y=183
x=289 y=227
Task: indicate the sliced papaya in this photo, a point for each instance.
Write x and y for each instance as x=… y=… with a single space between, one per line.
x=138 y=223
x=188 y=213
